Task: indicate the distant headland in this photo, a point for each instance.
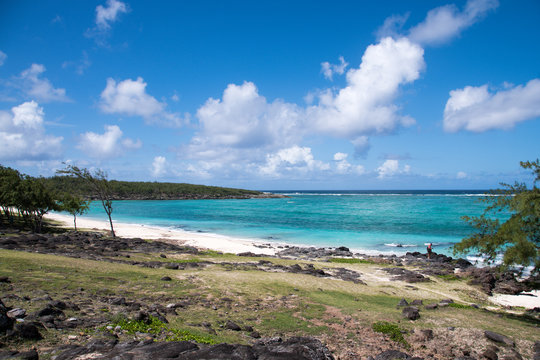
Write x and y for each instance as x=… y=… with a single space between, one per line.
x=139 y=190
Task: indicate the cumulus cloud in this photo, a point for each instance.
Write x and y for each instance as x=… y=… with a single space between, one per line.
x=366 y=105
x=23 y=137
x=242 y=127
x=243 y=120
x=129 y=97
x=3 y=57
x=295 y=158
x=159 y=166
x=106 y=15
x=36 y=87
x=329 y=70
x=477 y=109
x=461 y=175
x=344 y=167
x=109 y=144
x=390 y=168
x=445 y=22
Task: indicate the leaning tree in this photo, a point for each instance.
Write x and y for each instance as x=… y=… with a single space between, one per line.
x=99 y=184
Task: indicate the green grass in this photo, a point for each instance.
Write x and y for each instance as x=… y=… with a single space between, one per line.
x=392 y=330
x=350 y=261
x=288 y=322
x=460 y=306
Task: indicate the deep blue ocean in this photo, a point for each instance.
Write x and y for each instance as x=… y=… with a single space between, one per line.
x=364 y=221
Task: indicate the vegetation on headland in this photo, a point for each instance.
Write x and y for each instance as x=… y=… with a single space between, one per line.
x=138 y=190
x=518 y=238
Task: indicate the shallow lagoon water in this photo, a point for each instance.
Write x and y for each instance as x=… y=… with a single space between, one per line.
x=365 y=221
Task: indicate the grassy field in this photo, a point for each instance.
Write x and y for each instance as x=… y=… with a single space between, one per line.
x=341 y=313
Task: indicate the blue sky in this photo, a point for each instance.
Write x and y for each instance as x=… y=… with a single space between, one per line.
x=273 y=94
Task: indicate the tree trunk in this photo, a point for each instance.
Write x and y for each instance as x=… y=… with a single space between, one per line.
x=112 y=229
x=75 y=222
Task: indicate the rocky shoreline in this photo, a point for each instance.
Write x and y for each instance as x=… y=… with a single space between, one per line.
x=82 y=312
x=490 y=279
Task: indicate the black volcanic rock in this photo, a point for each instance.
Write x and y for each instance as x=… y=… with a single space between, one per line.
x=300 y=348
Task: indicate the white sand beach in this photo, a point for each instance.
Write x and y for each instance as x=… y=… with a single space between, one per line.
x=199 y=240
x=528 y=300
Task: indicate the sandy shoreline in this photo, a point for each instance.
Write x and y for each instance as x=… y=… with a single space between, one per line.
x=198 y=240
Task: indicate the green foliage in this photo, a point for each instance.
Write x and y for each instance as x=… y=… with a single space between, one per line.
x=518 y=238
x=350 y=261
x=153 y=326
x=156 y=327
x=129 y=190
x=29 y=196
x=74 y=205
x=391 y=330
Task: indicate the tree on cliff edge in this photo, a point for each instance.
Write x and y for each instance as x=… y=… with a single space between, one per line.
x=99 y=183
x=518 y=238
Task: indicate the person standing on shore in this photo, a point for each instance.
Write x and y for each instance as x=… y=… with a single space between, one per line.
x=429 y=250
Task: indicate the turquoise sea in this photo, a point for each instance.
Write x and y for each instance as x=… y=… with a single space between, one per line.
x=364 y=221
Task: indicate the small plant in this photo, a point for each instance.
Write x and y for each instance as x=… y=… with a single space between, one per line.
x=155 y=326
x=391 y=330
x=152 y=326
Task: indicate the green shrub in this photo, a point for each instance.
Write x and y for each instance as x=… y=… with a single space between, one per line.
x=391 y=330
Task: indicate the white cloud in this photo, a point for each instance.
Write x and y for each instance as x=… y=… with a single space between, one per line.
x=129 y=97
x=243 y=119
x=344 y=167
x=392 y=26
x=40 y=88
x=106 y=145
x=3 y=57
x=23 y=137
x=242 y=127
x=445 y=22
x=461 y=175
x=339 y=156
x=105 y=15
x=159 y=166
x=477 y=109
x=329 y=70
x=295 y=158
x=390 y=168
x=365 y=105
